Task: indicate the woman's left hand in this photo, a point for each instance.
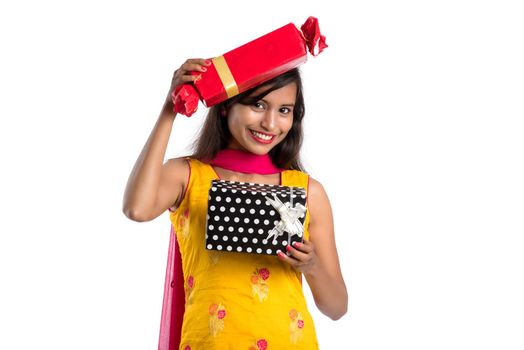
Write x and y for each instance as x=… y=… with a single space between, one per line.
x=302 y=256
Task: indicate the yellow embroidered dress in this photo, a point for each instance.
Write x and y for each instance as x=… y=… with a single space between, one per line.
x=237 y=300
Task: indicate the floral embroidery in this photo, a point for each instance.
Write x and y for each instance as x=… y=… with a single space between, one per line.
x=187 y=347
x=217 y=313
x=260 y=345
x=296 y=326
x=259 y=285
x=188 y=288
x=183 y=224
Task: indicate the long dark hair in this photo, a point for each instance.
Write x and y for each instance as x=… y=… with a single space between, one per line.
x=215 y=135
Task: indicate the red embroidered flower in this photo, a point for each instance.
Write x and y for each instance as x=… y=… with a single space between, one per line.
x=190 y=281
x=264 y=273
x=213 y=308
x=221 y=314
x=262 y=344
x=187 y=347
x=254 y=279
x=186 y=213
x=300 y=324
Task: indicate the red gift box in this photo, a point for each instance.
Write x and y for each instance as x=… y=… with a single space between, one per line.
x=249 y=65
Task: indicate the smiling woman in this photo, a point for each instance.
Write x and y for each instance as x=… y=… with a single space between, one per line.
x=233 y=298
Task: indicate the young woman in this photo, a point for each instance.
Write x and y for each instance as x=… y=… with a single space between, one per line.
x=240 y=300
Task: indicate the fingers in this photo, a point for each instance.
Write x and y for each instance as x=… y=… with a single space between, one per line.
x=196 y=64
x=300 y=253
x=184 y=74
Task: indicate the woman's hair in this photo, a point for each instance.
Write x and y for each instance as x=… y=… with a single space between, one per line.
x=215 y=135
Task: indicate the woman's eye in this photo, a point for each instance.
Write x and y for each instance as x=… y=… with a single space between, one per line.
x=285 y=110
x=258 y=105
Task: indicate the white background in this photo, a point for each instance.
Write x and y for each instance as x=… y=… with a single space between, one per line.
x=413 y=126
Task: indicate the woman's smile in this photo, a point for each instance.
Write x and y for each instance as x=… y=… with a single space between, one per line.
x=261 y=137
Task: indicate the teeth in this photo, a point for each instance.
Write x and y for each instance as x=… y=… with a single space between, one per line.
x=261 y=136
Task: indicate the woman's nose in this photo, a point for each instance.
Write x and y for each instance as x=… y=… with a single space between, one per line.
x=268 y=122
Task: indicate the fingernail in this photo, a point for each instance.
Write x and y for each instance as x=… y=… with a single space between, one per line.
x=288 y=248
x=203 y=69
x=297 y=244
x=208 y=62
x=279 y=253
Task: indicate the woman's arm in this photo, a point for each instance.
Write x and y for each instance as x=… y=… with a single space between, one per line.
x=317 y=258
x=152 y=186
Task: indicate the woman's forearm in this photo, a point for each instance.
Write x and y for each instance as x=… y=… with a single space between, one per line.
x=142 y=185
x=330 y=293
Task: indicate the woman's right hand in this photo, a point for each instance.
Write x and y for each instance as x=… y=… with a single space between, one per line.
x=183 y=74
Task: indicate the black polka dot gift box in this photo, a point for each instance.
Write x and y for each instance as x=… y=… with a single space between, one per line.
x=254 y=218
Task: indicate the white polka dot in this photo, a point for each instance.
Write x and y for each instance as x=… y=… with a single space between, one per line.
x=235 y=239
x=240 y=229
x=212 y=208
x=244 y=239
x=261 y=231
x=252 y=211
x=253 y=193
x=238 y=200
x=211 y=227
x=275 y=242
x=264 y=241
x=217 y=217
x=262 y=211
x=215 y=237
x=233 y=191
x=256 y=221
x=224 y=190
x=266 y=222
x=239 y=249
x=219 y=247
x=222 y=209
x=259 y=250
x=246 y=220
x=225 y=238
x=218 y=199
x=244 y=192
x=236 y=219
x=221 y=228
x=284 y=243
x=258 y=202
x=248 y=201
x=228 y=199
x=242 y=210
x=255 y=240
x=226 y=219
x=213 y=189
x=232 y=209
x=250 y=230
x=209 y=246
x=272 y=212
x=249 y=250
x=269 y=251
x=231 y=229
x=229 y=248
x=275 y=222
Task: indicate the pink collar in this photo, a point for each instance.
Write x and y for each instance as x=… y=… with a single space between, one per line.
x=244 y=162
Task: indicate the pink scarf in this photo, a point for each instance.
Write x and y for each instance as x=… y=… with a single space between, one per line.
x=244 y=162
x=174 y=297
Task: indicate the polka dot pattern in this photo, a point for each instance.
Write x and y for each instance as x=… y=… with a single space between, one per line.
x=240 y=218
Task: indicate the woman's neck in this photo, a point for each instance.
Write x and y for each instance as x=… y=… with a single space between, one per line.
x=244 y=162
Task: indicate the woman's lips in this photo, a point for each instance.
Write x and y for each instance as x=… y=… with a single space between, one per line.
x=259 y=139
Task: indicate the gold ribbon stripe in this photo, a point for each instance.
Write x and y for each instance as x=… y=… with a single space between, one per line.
x=230 y=85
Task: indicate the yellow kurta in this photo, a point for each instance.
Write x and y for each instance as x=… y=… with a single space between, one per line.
x=237 y=300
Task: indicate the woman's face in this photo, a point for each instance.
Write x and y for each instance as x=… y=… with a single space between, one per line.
x=259 y=127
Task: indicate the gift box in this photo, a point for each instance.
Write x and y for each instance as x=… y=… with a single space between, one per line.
x=254 y=218
x=249 y=65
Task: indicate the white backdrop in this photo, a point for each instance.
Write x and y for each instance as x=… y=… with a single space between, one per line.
x=413 y=126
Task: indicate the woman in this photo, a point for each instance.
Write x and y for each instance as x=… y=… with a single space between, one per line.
x=236 y=299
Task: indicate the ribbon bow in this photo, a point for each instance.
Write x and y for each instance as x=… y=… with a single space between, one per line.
x=289 y=216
